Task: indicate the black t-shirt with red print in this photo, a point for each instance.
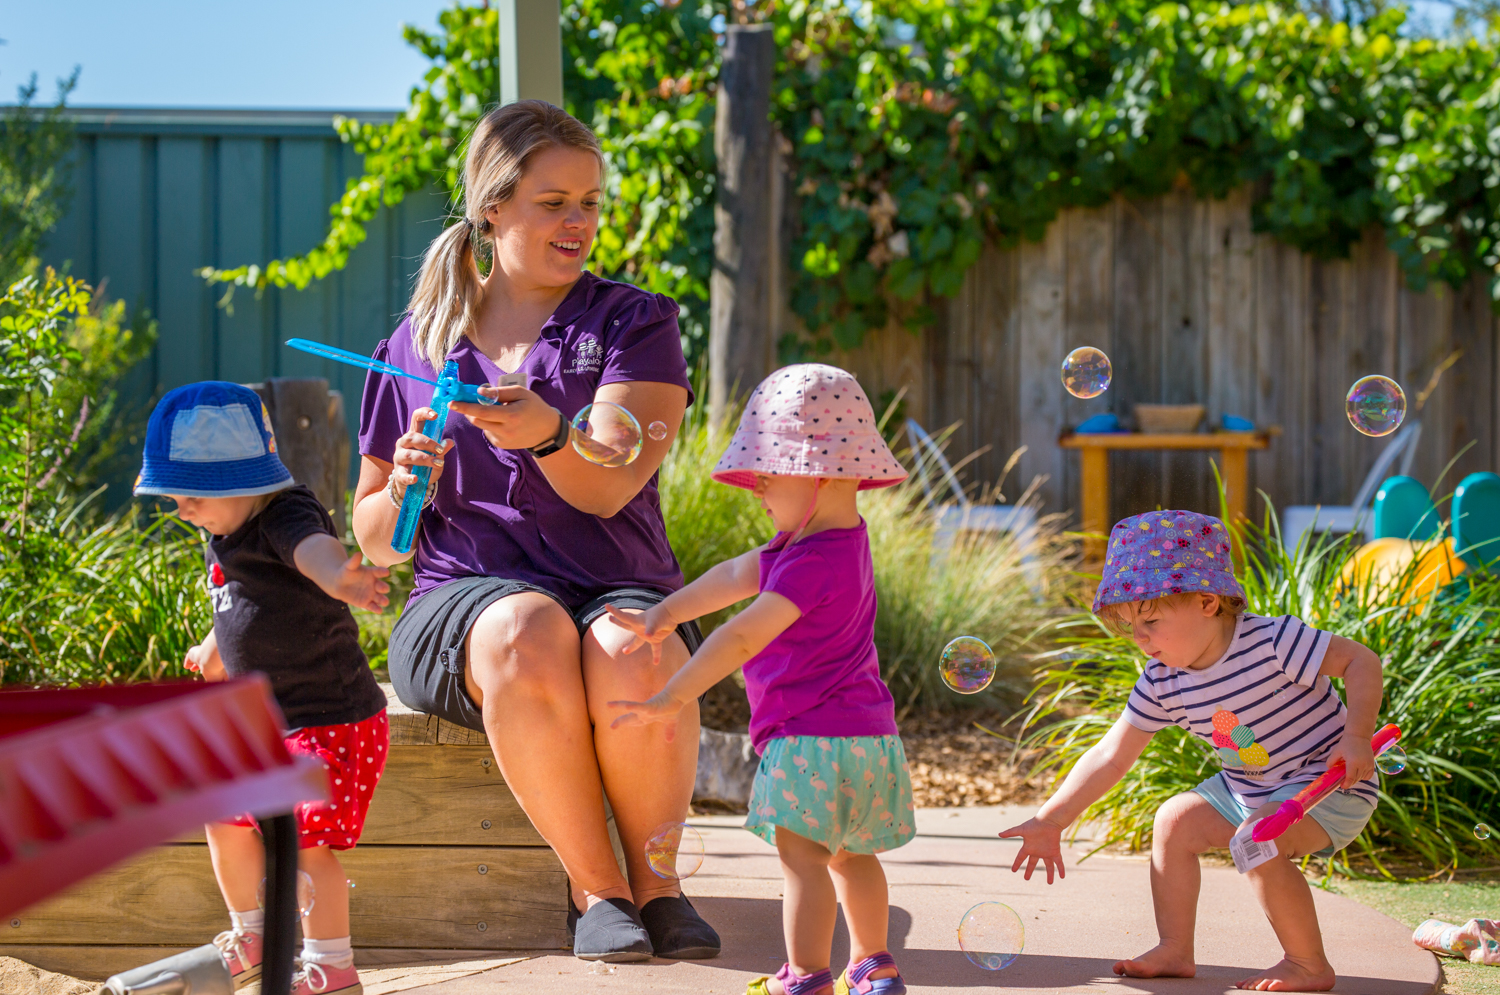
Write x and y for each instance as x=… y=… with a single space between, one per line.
x=270 y=618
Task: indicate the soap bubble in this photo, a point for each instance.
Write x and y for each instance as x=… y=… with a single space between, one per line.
x=967 y=665
x=606 y=434
x=1392 y=761
x=657 y=431
x=1086 y=372
x=991 y=935
x=1481 y=832
x=675 y=850
x=1376 y=405
x=307 y=895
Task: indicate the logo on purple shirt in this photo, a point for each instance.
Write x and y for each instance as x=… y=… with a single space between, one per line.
x=587 y=356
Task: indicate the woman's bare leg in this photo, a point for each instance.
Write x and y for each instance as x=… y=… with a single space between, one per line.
x=524 y=671
x=649 y=781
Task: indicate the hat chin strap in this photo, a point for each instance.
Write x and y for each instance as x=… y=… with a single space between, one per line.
x=812 y=506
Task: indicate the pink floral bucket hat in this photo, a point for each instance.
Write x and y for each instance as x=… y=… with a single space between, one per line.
x=1166 y=552
x=809 y=420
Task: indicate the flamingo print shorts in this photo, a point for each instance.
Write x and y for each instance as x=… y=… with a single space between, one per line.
x=846 y=792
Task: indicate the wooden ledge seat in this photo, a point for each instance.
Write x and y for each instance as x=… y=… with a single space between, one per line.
x=448 y=862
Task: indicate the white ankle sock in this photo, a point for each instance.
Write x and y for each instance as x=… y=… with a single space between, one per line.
x=253 y=921
x=328 y=953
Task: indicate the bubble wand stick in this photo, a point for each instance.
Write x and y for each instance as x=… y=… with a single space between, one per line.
x=1295 y=808
x=448 y=390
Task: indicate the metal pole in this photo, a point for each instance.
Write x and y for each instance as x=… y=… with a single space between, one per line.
x=282 y=913
x=531 y=51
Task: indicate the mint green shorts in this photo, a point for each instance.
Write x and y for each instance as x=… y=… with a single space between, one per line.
x=1342 y=816
x=846 y=792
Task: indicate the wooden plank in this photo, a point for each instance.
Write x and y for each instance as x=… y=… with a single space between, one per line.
x=1136 y=353
x=412 y=728
x=98 y=963
x=1189 y=480
x=404 y=896
x=184 y=240
x=1088 y=297
x=1467 y=391
x=996 y=369
x=245 y=196
x=1201 y=441
x=446 y=796
x=1231 y=342
x=1425 y=322
x=1040 y=324
x=1283 y=367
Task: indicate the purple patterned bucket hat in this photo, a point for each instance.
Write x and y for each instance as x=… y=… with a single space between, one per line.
x=1166 y=552
x=809 y=420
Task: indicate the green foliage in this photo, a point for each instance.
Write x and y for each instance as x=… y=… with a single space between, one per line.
x=80 y=598
x=634 y=72
x=34 y=142
x=1442 y=687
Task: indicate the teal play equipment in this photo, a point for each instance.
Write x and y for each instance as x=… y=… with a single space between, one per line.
x=1404 y=510
x=1476 y=519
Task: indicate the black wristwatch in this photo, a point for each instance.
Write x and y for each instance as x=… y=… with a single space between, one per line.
x=558 y=440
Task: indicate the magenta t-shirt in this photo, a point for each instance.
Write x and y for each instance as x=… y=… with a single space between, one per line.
x=495 y=514
x=821 y=677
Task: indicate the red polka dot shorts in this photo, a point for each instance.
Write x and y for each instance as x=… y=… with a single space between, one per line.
x=354 y=755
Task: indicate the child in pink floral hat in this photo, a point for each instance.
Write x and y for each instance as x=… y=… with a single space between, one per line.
x=833 y=787
x=1257 y=691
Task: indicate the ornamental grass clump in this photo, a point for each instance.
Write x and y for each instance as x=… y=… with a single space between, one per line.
x=1442 y=687
x=993 y=587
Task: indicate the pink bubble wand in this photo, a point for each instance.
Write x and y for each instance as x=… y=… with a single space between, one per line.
x=1295 y=808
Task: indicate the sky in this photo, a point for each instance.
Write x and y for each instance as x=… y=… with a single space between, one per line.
x=338 y=54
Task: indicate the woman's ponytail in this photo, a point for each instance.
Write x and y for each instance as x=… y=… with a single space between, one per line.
x=445 y=304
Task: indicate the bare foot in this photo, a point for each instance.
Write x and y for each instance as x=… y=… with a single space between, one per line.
x=1288 y=976
x=1160 y=961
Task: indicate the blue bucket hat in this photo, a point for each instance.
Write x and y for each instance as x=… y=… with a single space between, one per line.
x=211 y=439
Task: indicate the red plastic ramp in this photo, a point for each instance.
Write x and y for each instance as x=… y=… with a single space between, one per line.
x=89 y=776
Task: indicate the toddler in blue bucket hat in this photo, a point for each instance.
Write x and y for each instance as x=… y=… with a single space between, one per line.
x=1257 y=691
x=281 y=583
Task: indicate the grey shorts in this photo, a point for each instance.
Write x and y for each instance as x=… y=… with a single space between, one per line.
x=427 y=645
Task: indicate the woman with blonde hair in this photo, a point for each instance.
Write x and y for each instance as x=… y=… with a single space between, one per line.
x=522 y=541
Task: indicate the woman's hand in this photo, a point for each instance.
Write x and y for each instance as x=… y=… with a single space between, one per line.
x=519 y=418
x=414 y=449
x=1040 y=840
x=663 y=707
x=651 y=628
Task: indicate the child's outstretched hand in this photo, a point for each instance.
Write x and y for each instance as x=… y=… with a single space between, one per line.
x=662 y=707
x=649 y=628
x=204 y=659
x=1040 y=840
x=1358 y=757
x=362 y=586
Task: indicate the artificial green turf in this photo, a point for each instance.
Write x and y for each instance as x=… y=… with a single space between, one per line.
x=1450 y=901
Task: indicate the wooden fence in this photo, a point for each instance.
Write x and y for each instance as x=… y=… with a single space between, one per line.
x=1192 y=307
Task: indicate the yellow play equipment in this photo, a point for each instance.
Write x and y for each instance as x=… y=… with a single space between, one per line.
x=1419 y=568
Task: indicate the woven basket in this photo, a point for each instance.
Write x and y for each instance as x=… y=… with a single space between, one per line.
x=1166 y=418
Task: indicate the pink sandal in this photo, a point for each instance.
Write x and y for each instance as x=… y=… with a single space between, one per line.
x=857 y=981
x=794 y=984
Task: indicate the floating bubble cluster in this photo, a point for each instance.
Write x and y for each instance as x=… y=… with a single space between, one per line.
x=1481 y=832
x=675 y=850
x=967 y=665
x=1392 y=761
x=991 y=935
x=307 y=895
x=1376 y=405
x=657 y=431
x=606 y=434
x=1086 y=372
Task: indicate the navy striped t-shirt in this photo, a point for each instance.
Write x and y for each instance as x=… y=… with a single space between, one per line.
x=1271 y=719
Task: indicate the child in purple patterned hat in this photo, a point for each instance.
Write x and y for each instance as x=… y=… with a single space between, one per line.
x=833 y=787
x=1257 y=691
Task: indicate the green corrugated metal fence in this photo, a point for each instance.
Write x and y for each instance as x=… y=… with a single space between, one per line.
x=159 y=193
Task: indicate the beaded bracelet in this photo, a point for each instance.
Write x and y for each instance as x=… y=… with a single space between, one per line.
x=390 y=492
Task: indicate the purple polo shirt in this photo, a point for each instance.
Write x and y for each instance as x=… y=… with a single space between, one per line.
x=495 y=514
x=821 y=677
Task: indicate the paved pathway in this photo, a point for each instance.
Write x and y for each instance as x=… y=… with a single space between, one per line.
x=1075 y=930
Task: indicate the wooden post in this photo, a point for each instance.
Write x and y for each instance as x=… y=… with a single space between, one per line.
x=742 y=309
x=1095 y=501
x=531 y=51
x=311 y=437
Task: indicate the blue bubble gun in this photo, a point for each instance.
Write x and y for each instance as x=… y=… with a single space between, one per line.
x=448 y=390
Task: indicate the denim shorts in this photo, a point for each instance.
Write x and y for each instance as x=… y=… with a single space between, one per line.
x=427 y=645
x=1342 y=815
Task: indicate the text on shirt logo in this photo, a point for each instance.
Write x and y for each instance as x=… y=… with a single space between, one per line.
x=587 y=356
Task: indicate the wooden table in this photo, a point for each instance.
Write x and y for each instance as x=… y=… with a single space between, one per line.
x=1233 y=468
